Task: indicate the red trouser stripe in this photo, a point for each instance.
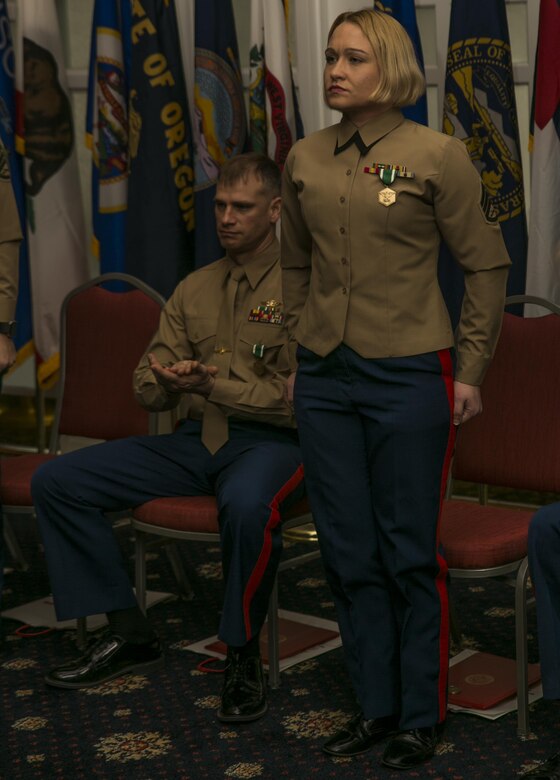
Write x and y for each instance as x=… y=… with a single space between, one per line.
x=441 y=580
x=262 y=561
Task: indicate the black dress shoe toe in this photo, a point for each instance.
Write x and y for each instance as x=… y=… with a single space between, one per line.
x=110 y=657
x=410 y=748
x=359 y=735
x=549 y=770
x=244 y=691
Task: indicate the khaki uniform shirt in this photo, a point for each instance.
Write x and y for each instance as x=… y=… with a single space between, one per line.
x=10 y=236
x=254 y=389
x=359 y=272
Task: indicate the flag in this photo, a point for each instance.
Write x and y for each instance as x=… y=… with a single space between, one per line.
x=23 y=340
x=479 y=108
x=107 y=130
x=275 y=122
x=405 y=13
x=543 y=260
x=45 y=137
x=220 y=128
x=160 y=218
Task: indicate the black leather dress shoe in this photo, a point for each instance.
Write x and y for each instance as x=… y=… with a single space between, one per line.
x=244 y=691
x=549 y=770
x=410 y=748
x=110 y=657
x=359 y=735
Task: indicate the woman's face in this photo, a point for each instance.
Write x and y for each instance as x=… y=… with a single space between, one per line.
x=351 y=74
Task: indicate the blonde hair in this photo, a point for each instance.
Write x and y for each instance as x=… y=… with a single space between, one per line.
x=401 y=82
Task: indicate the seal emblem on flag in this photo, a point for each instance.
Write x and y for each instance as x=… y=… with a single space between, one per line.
x=220 y=116
x=479 y=81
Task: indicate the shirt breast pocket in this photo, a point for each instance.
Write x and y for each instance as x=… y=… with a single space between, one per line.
x=201 y=332
x=261 y=346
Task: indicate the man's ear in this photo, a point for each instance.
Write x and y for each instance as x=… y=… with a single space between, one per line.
x=275 y=209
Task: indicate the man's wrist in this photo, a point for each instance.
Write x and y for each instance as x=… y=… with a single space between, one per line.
x=206 y=388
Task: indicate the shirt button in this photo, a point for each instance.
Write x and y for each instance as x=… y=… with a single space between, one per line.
x=342 y=230
x=342 y=199
x=349 y=171
x=344 y=290
x=344 y=261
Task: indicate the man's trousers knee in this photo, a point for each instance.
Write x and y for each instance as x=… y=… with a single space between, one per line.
x=254 y=475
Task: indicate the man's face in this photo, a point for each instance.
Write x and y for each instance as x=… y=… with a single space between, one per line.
x=245 y=216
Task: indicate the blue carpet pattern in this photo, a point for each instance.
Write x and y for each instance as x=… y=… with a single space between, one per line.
x=162 y=724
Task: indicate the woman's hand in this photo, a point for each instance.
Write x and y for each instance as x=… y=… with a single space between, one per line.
x=468 y=402
x=289 y=389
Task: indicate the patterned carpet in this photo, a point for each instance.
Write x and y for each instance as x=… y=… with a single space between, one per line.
x=163 y=725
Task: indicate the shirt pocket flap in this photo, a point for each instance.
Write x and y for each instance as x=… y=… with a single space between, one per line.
x=267 y=335
x=201 y=328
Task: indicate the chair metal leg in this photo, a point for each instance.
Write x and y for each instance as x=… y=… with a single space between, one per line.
x=521 y=653
x=273 y=639
x=14 y=547
x=140 y=568
x=454 y=624
x=174 y=556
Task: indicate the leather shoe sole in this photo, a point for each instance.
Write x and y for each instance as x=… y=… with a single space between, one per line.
x=240 y=718
x=411 y=748
x=359 y=735
x=107 y=659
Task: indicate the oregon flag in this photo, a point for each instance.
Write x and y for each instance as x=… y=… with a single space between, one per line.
x=480 y=109
x=160 y=218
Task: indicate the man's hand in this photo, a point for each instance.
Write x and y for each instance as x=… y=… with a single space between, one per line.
x=468 y=402
x=186 y=376
x=7 y=352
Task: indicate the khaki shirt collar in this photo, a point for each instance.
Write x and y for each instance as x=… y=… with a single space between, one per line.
x=368 y=134
x=259 y=265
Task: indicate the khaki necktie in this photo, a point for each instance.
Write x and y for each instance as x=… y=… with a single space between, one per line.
x=215 y=431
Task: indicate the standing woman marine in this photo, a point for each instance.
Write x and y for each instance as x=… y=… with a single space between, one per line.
x=381 y=383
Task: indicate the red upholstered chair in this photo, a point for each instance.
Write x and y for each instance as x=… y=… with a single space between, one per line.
x=196 y=519
x=103 y=335
x=513 y=444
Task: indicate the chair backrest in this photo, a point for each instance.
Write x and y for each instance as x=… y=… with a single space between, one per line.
x=103 y=335
x=515 y=442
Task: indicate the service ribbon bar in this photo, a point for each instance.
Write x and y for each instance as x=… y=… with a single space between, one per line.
x=389 y=171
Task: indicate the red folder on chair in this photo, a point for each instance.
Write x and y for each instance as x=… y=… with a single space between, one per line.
x=482 y=681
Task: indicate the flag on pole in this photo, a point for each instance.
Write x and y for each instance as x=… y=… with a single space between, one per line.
x=23 y=340
x=543 y=257
x=220 y=129
x=480 y=109
x=107 y=130
x=275 y=123
x=160 y=218
x=404 y=12
x=45 y=137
